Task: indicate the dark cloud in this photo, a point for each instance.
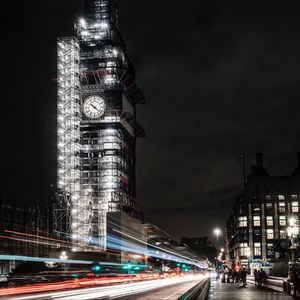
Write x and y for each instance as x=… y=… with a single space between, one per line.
x=219 y=77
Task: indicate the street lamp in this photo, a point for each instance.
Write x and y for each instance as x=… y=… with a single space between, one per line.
x=217 y=232
x=293 y=231
x=63 y=257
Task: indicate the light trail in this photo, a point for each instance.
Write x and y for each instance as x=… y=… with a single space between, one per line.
x=114 y=243
x=113 y=291
x=58 y=260
x=165 y=254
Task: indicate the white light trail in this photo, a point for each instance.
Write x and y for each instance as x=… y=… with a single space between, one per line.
x=113 y=292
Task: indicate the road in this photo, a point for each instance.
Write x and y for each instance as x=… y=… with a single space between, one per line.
x=165 y=289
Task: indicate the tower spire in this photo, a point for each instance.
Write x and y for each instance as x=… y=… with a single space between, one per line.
x=101 y=10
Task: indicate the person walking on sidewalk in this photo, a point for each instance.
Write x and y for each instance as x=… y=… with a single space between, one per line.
x=244 y=277
x=255 y=277
x=261 y=277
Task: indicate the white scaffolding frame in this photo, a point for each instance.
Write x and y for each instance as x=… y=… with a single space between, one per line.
x=69 y=146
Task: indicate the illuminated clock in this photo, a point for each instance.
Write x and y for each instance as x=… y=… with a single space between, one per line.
x=94 y=107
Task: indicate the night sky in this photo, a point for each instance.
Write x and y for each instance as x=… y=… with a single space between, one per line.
x=218 y=78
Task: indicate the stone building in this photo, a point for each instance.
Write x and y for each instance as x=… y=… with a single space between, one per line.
x=257 y=226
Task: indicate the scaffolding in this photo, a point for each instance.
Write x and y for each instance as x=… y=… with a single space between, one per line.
x=96 y=158
x=69 y=146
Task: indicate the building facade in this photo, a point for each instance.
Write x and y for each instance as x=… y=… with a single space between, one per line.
x=97 y=127
x=22 y=228
x=257 y=226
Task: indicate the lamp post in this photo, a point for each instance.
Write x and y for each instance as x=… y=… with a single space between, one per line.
x=217 y=232
x=248 y=259
x=293 y=231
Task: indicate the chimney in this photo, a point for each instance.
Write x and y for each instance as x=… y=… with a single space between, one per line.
x=260 y=160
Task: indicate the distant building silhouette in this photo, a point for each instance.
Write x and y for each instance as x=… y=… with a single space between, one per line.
x=19 y=227
x=201 y=246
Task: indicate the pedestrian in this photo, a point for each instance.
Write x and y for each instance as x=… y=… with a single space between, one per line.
x=238 y=276
x=255 y=277
x=218 y=275
x=230 y=276
x=234 y=276
x=263 y=276
x=296 y=281
x=244 y=277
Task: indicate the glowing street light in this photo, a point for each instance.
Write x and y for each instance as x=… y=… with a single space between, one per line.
x=217 y=232
x=63 y=257
x=293 y=232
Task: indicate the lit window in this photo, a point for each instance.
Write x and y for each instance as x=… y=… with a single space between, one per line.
x=281 y=197
x=270 y=221
x=269 y=205
x=244 y=250
x=294 y=197
x=282 y=220
x=281 y=207
x=270 y=234
x=257 y=249
x=256 y=208
x=295 y=207
x=243 y=221
x=256 y=221
x=282 y=234
x=268 y=197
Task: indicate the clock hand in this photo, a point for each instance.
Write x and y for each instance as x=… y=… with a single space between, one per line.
x=95 y=107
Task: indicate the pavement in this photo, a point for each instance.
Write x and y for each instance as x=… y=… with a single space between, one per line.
x=234 y=291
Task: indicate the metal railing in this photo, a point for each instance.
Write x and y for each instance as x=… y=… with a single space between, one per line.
x=272 y=283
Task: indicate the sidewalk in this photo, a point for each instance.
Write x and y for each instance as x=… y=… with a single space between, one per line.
x=233 y=291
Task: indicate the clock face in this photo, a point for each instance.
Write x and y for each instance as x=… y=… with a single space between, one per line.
x=94 y=107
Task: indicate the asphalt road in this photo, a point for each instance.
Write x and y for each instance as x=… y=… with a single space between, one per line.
x=168 y=288
x=172 y=292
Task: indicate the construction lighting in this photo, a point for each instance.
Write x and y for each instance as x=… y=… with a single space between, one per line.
x=104 y=25
x=82 y=22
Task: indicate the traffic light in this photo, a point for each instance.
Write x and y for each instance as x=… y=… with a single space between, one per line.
x=96 y=268
x=128 y=265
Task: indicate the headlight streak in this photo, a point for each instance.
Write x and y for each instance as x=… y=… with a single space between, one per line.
x=176 y=256
x=114 y=243
x=57 y=260
x=113 y=291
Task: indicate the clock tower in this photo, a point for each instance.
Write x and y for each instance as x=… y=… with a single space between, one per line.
x=97 y=127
